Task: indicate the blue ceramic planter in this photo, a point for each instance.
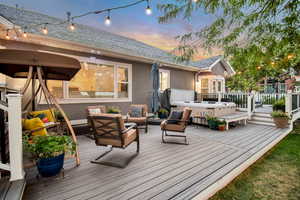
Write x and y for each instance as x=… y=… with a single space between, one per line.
x=50 y=166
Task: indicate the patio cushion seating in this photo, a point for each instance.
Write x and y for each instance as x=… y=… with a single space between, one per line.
x=136 y=111
x=109 y=130
x=142 y=121
x=179 y=127
x=35 y=126
x=94 y=110
x=48 y=113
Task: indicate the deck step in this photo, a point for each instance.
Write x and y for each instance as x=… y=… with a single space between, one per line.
x=262 y=119
x=261 y=123
x=11 y=190
x=260 y=114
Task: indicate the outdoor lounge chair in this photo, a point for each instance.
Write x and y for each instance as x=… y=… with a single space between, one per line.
x=142 y=120
x=109 y=130
x=179 y=126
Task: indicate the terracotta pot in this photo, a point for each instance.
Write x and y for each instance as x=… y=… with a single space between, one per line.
x=281 y=122
x=222 y=127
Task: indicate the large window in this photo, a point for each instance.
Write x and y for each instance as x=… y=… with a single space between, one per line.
x=97 y=82
x=164 y=79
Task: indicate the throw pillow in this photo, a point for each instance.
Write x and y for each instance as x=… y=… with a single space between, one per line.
x=175 y=116
x=33 y=124
x=94 y=111
x=136 y=112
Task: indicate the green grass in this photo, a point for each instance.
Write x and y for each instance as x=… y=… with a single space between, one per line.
x=275 y=176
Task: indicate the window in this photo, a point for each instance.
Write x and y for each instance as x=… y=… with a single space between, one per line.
x=204 y=85
x=99 y=81
x=219 y=86
x=164 y=79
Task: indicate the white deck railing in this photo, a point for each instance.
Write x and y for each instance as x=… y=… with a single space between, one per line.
x=14 y=112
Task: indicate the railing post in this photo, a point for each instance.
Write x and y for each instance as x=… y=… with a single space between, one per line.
x=219 y=97
x=288 y=102
x=249 y=105
x=253 y=101
x=15 y=136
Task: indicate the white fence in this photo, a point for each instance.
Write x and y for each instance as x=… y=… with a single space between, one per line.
x=14 y=113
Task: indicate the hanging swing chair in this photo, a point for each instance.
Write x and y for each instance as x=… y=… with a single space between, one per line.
x=39 y=67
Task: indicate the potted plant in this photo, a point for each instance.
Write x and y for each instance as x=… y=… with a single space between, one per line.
x=222 y=125
x=212 y=122
x=279 y=105
x=281 y=119
x=113 y=110
x=49 y=152
x=163 y=113
x=59 y=117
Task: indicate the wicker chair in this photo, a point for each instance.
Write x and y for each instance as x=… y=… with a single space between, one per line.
x=180 y=126
x=109 y=130
x=142 y=122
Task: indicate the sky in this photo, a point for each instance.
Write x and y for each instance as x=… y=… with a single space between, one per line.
x=130 y=22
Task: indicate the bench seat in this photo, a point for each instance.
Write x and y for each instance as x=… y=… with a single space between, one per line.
x=234 y=117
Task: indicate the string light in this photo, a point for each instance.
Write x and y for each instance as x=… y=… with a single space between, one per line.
x=45 y=30
x=258 y=67
x=7 y=34
x=107 y=21
x=272 y=63
x=72 y=26
x=239 y=73
x=290 y=56
x=195 y=1
x=148 y=9
x=25 y=34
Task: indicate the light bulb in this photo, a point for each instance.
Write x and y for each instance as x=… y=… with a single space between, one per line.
x=195 y=1
x=72 y=27
x=107 y=21
x=45 y=30
x=290 y=56
x=258 y=67
x=7 y=37
x=148 y=10
x=25 y=34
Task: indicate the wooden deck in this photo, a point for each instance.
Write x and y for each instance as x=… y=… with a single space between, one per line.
x=161 y=171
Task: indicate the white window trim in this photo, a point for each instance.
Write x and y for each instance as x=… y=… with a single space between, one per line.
x=68 y=100
x=169 y=77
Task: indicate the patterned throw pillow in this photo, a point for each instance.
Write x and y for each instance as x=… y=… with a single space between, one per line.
x=136 y=112
x=95 y=111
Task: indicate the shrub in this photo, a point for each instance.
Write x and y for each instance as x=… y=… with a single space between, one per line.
x=113 y=110
x=279 y=105
x=279 y=114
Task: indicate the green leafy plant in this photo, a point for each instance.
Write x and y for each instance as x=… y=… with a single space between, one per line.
x=221 y=122
x=210 y=118
x=279 y=114
x=58 y=115
x=279 y=105
x=48 y=146
x=113 y=110
x=163 y=111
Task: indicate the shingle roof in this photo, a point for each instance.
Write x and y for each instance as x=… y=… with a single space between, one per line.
x=86 y=35
x=206 y=63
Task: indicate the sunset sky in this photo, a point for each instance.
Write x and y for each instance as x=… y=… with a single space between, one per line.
x=130 y=22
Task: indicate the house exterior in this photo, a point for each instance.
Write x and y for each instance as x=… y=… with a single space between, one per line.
x=115 y=69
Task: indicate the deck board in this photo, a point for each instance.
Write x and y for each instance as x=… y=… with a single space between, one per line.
x=161 y=171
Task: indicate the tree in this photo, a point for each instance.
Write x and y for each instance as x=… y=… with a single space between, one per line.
x=260 y=37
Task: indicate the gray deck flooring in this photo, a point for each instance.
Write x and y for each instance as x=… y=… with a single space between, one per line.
x=160 y=171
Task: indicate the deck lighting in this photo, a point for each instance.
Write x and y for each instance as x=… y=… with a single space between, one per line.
x=7 y=34
x=107 y=21
x=45 y=30
x=148 y=9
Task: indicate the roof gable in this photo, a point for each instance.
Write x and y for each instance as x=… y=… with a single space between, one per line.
x=207 y=63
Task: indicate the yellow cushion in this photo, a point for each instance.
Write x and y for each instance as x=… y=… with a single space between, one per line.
x=33 y=124
x=49 y=115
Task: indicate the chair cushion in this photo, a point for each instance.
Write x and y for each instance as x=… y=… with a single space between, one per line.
x=128 y=137
x=136 y=119
x=175 y=116
x=173 y=127
x=136 y=111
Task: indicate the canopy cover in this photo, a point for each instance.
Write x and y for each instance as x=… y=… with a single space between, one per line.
x=16 y=63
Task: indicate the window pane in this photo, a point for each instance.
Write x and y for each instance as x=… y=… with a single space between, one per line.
x=93 y=81
x=164 y=80
x=122 y=82
x=219 y=86
x=56 y=88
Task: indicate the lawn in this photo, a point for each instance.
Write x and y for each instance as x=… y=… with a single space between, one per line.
x=275 y=176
